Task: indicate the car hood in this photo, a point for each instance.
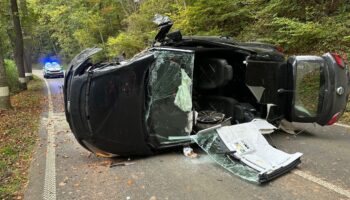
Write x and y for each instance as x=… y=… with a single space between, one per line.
x=54 y=69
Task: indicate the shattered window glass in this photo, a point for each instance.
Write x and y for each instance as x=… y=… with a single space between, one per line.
x=308 y=83
x=212 y=144
x=170 y=98
x=243 y=150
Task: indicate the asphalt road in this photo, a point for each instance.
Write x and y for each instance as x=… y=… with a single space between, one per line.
x=323 y=174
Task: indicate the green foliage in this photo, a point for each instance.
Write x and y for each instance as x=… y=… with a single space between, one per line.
x=297 y=36
x=301 y=26
x=66 y=27
x=213 y=17
x=128 y=43
x=12 y=76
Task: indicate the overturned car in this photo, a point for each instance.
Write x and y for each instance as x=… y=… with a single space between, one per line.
x=188 y=86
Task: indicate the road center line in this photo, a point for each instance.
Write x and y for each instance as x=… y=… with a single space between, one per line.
x=322 y=183
x=50 y=167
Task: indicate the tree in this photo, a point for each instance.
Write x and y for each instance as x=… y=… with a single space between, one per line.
x=27 y=39
x=4 y=89
x=4 y=48
x=18 y=44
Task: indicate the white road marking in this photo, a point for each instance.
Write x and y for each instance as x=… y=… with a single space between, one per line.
x=322 y=183
x=4 y=91
x=342 y=125
x=50 y=168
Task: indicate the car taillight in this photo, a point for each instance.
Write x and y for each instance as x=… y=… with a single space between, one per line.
x=338 y=59
x=334 y=119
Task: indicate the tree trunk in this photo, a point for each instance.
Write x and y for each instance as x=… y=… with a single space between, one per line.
x=18 y=44
x=27 y=39
x=4 y=89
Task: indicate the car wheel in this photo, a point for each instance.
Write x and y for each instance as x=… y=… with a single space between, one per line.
x=97 y=151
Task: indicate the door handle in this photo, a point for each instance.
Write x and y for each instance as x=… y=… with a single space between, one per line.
x=281 y=90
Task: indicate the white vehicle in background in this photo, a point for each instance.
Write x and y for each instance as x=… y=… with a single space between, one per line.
x=53 y=70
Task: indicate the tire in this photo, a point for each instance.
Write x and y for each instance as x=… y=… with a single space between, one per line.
x=96 y=150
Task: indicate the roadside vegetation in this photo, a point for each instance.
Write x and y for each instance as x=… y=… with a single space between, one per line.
x=12 y=76
x=345 y=119
x=299 y=26
x=18 y=134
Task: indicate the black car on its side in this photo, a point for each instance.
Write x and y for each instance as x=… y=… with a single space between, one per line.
x=182 y=85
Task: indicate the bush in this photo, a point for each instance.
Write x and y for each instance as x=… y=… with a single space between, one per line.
x=12 y=76
x=124 y=42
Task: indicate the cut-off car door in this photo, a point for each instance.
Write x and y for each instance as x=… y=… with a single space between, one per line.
x=170 y=95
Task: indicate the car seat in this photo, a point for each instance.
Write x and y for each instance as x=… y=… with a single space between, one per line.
x=212 y=73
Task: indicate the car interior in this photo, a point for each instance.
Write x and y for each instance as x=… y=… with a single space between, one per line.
x=220 y=94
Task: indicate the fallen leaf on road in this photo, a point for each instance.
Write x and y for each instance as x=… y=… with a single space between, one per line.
x=62 y=184
x=130 y=182
x=106 y=163
x=153 y=198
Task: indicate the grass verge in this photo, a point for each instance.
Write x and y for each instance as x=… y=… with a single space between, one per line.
x=345 y=119
x=18 y=134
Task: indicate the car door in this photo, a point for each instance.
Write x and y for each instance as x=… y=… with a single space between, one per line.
x=170 y=96
x=319 y=88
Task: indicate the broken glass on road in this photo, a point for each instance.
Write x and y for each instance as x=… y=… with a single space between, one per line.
x=242 y=150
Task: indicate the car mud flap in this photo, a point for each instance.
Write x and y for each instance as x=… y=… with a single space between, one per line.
x=242 y=150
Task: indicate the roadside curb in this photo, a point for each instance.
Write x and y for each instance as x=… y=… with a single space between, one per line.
x=342 y=125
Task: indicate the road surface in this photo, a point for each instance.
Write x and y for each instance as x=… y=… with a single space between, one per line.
x=68 y=171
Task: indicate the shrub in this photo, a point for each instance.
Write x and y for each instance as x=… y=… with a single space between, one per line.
x=12 y=76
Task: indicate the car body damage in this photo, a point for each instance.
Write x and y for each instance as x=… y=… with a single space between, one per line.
x=218 y=93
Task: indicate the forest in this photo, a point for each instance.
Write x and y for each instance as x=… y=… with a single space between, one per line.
x=65 y=27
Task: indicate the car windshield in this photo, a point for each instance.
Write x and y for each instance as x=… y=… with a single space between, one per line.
x=52 y=65
x=308 y=84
